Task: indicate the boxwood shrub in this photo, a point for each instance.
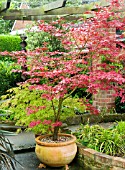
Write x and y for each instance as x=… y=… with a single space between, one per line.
x=10 y=43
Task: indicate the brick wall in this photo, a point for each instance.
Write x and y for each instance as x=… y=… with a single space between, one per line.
x=93 y=160
x=104 y=100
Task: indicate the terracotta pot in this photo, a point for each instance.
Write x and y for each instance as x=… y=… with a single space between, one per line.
x=56 y=154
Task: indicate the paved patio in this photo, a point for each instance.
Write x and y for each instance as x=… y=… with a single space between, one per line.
x=24 y=148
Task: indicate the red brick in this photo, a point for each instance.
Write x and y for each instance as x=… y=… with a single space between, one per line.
x=103 y=158
x=89 y=153
x=116 y=168
x=119 y=162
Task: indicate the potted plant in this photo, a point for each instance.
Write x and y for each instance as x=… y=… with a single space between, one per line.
x=58 y=74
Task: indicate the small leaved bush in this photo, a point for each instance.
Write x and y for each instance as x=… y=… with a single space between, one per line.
x=38 y=39
x=109 y=141
x=10 y=43
x=8 y=78
x=120 y=106
x=25 y=108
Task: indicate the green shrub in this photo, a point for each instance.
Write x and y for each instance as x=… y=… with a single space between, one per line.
x=10 y=43
x=8 y=79
x=120 y=107
x=19 y=98
x=109 y=141
x=37 y=39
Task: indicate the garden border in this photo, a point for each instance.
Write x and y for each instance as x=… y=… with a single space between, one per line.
x=94 y=160
x=89 y=159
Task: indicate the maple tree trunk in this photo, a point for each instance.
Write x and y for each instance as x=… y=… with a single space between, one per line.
x=55 y=134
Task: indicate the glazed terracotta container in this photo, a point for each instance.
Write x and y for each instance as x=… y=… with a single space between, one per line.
x=56 y=154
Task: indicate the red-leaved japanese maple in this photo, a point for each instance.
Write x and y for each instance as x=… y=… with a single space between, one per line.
x=91 y=60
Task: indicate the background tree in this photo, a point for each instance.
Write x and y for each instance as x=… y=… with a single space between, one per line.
x=6 y=25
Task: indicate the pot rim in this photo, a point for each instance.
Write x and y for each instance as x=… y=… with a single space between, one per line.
x=39 y=142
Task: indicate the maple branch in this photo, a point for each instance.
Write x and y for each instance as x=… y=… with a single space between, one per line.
x=59 y=108
x=54 y=110
x=70 y=93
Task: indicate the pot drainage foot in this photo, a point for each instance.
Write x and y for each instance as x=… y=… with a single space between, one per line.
x=41 y=165
x=66 y=167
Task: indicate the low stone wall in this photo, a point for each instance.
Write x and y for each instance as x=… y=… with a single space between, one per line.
x=90 y=118
x=90 y=159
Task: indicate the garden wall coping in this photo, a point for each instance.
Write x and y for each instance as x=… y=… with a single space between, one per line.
x=90 y=118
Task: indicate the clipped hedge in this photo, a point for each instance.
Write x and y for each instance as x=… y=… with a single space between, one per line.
x=10 y=43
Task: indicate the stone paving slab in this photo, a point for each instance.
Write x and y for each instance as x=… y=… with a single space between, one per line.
x=24 y=148
x=26 y=140
x=31 y=162
x=21 y=141
x=23 y=145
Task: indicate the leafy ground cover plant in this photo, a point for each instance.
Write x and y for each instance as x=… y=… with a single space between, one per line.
x=58 y=74
x=110 y=141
